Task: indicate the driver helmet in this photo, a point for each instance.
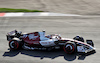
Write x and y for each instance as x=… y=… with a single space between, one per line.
x=15 y=31
x=77 y=37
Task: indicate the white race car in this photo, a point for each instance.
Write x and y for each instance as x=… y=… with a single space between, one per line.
x=38 y=41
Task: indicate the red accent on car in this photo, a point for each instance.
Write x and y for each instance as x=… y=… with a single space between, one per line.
x=34 y=40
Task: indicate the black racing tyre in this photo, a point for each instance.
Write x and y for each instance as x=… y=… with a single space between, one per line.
x=70 y=47
x=79 y=38
x=14 y=44
x=90 y=42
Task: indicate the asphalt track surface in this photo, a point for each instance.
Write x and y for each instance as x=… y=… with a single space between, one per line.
x=88 y=27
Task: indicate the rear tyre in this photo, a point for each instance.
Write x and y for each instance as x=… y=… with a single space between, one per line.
x=14 y=45
x=70 y=47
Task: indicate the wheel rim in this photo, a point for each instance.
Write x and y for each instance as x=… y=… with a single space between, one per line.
x=13 y=44
x=69 y=48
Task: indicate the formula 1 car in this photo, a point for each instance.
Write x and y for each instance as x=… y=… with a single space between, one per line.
x=38 y=41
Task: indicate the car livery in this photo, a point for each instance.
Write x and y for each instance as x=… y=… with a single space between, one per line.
x=38 y=41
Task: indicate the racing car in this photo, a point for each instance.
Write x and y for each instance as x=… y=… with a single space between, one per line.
x=39 y=41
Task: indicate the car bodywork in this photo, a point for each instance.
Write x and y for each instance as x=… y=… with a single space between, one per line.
x=38 y=40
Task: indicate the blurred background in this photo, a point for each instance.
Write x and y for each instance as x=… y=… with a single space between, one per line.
x=84 y=7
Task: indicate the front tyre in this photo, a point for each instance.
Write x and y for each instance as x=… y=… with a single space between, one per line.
x=90 y=42
x=14 y=44
x=70 y=47
x=79 y=38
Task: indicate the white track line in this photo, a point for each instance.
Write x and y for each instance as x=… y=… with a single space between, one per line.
x=36 y=14
x=14 y=14
x=54 y=14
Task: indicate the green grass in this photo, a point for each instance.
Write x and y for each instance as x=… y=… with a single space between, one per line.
x=17 y=10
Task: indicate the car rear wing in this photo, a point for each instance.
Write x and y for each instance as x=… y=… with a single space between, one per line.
x=11 y=33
